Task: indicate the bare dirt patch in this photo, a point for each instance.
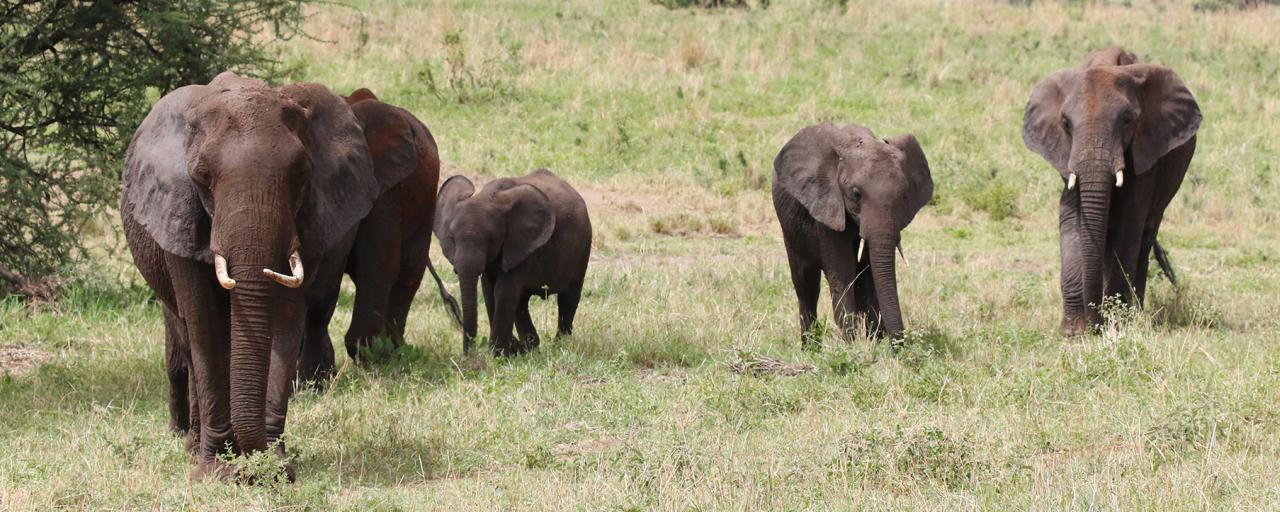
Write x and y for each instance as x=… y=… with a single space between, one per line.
x=760 y=366
x=17 y=360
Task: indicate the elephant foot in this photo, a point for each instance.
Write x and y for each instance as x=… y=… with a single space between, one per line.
x=215 y=470
x=506 y=348
x=317 y=376
x=809 y=341
x=193 y=443
x=1079 y=326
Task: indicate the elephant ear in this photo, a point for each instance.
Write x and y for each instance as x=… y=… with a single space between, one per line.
x=158 y=188
x=530 y=223
x=389 y=133
x=1042 y=120
x=915 y=167
x=455 y=190
x=1170 y=115
x=342 y=187
x=806 y=170
x=360 y=95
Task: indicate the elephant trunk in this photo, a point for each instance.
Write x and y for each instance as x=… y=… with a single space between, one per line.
x=467 y=282
x=1095 y=204
x=251 y=302
x=884 y=274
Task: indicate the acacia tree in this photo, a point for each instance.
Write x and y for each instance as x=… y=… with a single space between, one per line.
x=76 y=79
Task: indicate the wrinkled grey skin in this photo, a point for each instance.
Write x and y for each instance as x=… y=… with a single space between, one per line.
x=520 y=237
x=833 y=187
x=249 y=173
x=1114 y=115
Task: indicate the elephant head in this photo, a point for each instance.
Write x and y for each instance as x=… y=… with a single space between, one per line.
x=490 y=232
x=1098 y=125
x=255 y=181
x=845 y=176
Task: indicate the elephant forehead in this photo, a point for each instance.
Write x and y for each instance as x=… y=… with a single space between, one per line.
x=243 y=109
x=1104 y=87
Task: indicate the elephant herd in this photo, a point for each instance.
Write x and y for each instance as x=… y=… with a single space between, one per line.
x=244 y=205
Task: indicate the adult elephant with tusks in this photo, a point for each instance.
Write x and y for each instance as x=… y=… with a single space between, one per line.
x=843 y=197
x=239 y=203
x=1121 y=134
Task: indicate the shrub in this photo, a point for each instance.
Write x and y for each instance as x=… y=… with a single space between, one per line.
x=76 y=78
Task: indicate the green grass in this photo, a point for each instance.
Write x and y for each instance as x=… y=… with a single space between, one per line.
x=668 y=121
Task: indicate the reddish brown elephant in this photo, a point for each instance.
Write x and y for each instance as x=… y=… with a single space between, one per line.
x=1121 y=133
x=392 y=245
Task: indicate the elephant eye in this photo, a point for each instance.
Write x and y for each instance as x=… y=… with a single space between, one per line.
x=1066 y=124
x=1128 y=117
x=855 y=198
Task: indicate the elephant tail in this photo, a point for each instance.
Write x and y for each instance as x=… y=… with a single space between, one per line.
x=450 y=303
x=1162 y=258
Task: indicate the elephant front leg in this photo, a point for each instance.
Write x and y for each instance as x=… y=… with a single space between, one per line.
x=1123 y=271
x=501 y=320
x=843 y=301
x=806 y=278
x=177 y=366
x=205 y=314
x=316 y=363
x=287 y=332
x=867 y=300
x=524 y=325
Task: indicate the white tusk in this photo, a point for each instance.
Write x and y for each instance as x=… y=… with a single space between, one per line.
x=220 y=269
x=1071 y=181
x=295 y=265
x=1120 y=178
x=862 y=244
x=905 y=263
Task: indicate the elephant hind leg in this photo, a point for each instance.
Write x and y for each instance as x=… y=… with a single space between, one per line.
x=413 y=265
x=567 y=308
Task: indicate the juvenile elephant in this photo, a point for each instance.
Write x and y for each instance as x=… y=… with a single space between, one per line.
x=840 y=192
x=1121 y=134
x=223 y=184
x=391 y=248
x=520 y=237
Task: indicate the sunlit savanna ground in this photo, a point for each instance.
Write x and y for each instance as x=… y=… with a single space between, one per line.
x=668 y=121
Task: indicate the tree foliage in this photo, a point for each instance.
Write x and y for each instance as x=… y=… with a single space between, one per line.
x=76 y=79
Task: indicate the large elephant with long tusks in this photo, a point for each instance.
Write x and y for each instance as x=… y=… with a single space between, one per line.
x=239 y=204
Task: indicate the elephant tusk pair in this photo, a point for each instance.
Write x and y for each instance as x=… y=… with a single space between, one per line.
x=294 y=281
x=1071 y=180
x=295 y=266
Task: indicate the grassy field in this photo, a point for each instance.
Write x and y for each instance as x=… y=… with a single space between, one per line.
x=668 y=121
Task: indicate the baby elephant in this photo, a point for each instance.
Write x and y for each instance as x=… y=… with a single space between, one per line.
x=841 y=192
x=520 y=237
